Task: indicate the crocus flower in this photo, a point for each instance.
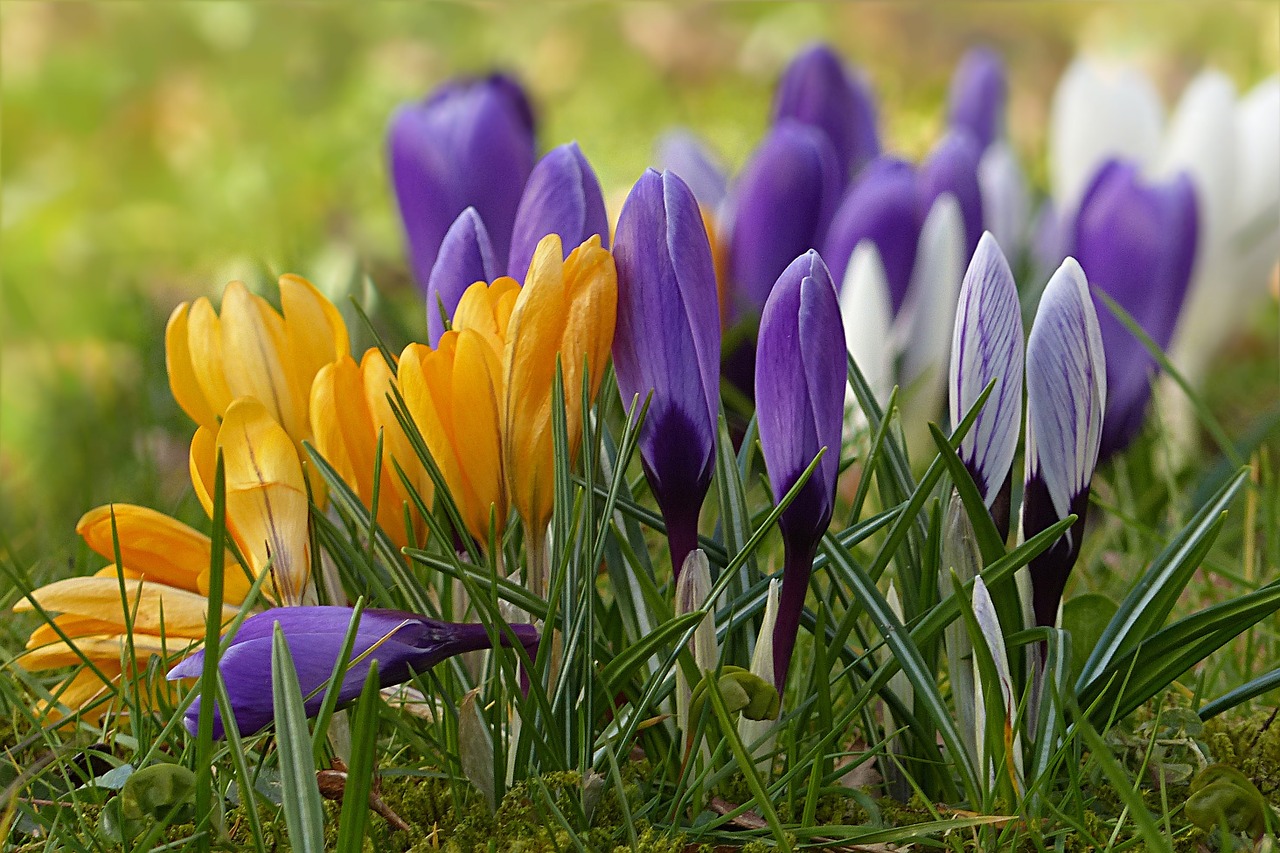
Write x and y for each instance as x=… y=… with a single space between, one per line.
x=164 y=566
x=667 y=346
x=469 y=144
x=868 y=320
x=563 y=198
x=683 y=153
x=251 y=350
x=880 y=207
x=986 y=347
x=952 y=167
x=978 y=95
x=403 y=644
x=817 y=89
x=1066 y=398
x=1138 y=242
x=466 y=256
x=454 y=393
x=350 y=409
x=800 y=379
x=565 y=311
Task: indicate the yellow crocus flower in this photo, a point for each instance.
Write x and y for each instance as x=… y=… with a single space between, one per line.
x=164 y=564
x=567 y=308
x=349 y=408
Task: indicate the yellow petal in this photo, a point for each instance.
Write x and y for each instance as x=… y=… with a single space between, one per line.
x=101 y=649
x=591 y=289
x=202 y=462
x=476 y=389
x=152 y=544
x=204 y=341
x=378 y=384
x=113 y=571
x=182 y=373
x=99 y=598
x=314 y=329
x=267 y=506
x=340 y=423
x=487 y=309
x=254 y=349
x=71 y=626
x=82 y=688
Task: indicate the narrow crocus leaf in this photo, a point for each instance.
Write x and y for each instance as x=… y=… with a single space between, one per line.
x=469 y=144
x=402 y=644
x=978 y=95
x=666 y=347
x=817 y=89
x=1006 y=202
x=1100 y=111
x=799 y=384
x=952 y=167
x=1137 y=240
x=1066 y=397
x=987 y=347
x=466 y=256
x=880 y=207
x=867 y=311
x=562 y=197
x=682 y=152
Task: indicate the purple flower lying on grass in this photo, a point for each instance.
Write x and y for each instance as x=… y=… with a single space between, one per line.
x=1138 y=242
x=1066 y=397
x=406 y=643
x=800 y=382
x=469 y=144
x=562 y=197
x=667 y=344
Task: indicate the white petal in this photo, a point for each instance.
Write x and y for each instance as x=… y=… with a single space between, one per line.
x=1066 y=387
x=753 y=732
x=1100 y=110
x=1006 y=204
x=867 y=312
x=987 y=345
x=929 y=310
x=692 y=590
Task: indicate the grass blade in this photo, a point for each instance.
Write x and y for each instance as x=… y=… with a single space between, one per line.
x=303 y=813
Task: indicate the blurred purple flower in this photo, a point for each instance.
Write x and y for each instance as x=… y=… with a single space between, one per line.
x=465 y=257
x=952 y=167
x=667 y=345
x=978 y=95
x=817 y=89
x=468 y=144
x=406 y=643
x=987 y=346
x=1066 y=396
x=683 y=153
x=1137 y=241
x=799 y=385
x=562 y=197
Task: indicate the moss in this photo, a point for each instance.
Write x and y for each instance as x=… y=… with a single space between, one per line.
x=1251 y=744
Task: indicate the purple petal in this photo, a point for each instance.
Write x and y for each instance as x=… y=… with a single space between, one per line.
x=683 y=153
x=881 y=207
x=818 y=90
x=780 y=209
x=562 y=197
x=470 y=144
x=1066 y=396
x=667 y=345
x=1137 y=241
x=987 y=346
x=978 y=95
x=406 y=643
x=952 y=167
x=466 y=256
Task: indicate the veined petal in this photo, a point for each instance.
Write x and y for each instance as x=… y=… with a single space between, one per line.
x=867 y=312
x=267 y=506
x=99 y=598
x=254 y=348
x=182 y=373
x=315 y=331
x=986 y=346
x=152 y=544
x=204 y=341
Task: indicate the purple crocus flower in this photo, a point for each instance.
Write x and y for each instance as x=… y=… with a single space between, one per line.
x=667 y=346
x=987 y=346
x=562 y=197
x=952 y=167
x=465 y=257
x=682 y=152
x=469 y=144
x=1138 y=242
x=406 y=644
x=1066 y=396
x=800 y=381
x=978 y=95
x=880 y=207
x=817 y=89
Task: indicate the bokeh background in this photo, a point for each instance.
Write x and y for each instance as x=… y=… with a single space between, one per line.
x=152 y=151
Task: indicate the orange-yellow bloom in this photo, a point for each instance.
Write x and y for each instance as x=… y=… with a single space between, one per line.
x=567 y=308
x=349 y=408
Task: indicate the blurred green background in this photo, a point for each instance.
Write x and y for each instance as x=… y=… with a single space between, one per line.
x=152 y=151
